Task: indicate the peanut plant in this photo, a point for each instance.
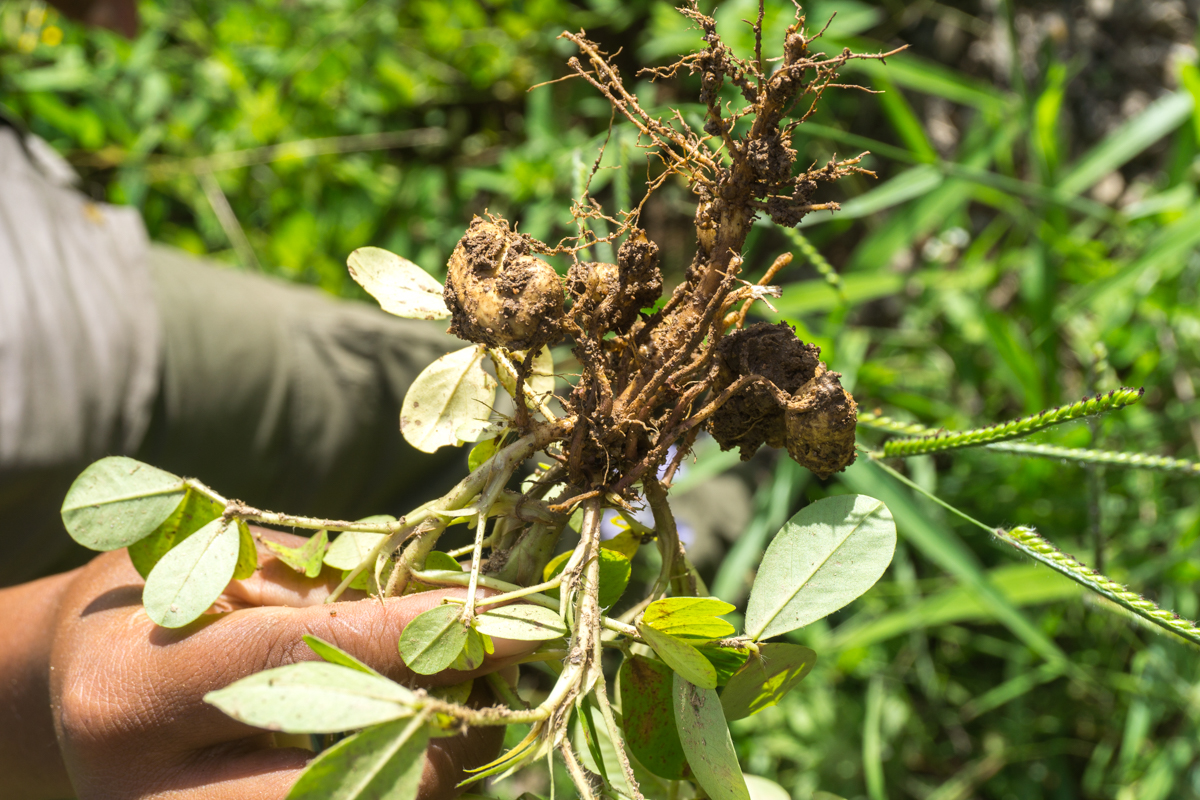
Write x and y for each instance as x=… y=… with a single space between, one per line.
x=654 y=372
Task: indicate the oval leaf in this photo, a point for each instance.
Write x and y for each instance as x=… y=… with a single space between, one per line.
x=189 y=579
x=473 y=651
x=527 y=623
x=451 y=395
x=681 y=657
x=305 y=559
x=704 y=735
x=442 y=561
x=690 y=617
x=433 y=640
x=313 y=697
x=117 y=501
x=381 y=763
x=335 y=655
x=649 y=721
x=615 y=570
x=763 y=789
x=765 y=679
x=350 y=548
x=831 y=552
x=401 y=287
x=193 y=513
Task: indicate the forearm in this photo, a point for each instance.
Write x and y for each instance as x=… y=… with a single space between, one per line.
x=29 y=756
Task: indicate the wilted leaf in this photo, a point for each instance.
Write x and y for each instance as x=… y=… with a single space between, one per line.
x=615 y=570
x=765 y=679
x=401 y=287
x=189 y=579
x=381 y=763
x=528 y=623
x=313 y=697
x=432 y=641
x=350 y=548
x=442 y=561
x=335 y=655
x=117 y=501
x=828 y=554
x=193 y=513
x=704 y=735
x=305 y=559
x=681 y=657
x=450 y=394
x=690 y=617
x=649 y=721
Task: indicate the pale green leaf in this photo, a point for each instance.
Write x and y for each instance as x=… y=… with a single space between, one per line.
x=335 y=655
x=480 y=453
x=117 y=501
x=704 y=735
x=764 y=679
x=381 y=763
x=433 y=640
x=305 y=559
x=828 y=554
x=680 y=656
x=189 y=579
x=541 y=377
x=350 y=548
x=473 y=651
x=313 y=697
x=615 y=570
x=763 y=789
x=401 y=287
x=451 y=394
x=527 y=623
x=441 y=561
x=193 y=513
x=247 y=559
x=690 y=617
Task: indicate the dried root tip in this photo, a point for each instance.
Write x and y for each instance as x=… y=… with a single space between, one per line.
x=811 y=415
x=500 y=295
x=608 y=297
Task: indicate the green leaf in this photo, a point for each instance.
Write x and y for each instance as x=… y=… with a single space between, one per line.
x=763 y=789
x=649 y=722
x=452 y=395
x=725 y=660
x=432 y=641
x=473 y=651
x=305 y=559
x=401 y=287
x=615 y=570
x=335 y=655
x=765 y=679
x=247 y=558
x=313 y=697
x=189 y=579
x=828 y=554
x=381 y=763
x=681 y=657
x=690 y=617
x=704 y=735
x=350 y=548
x=480 y=453
x=193 y=513
x=439 y=560
x=626 y=543
x=527 y=623
x=117 y=501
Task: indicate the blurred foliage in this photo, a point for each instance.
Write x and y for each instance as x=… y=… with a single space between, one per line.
x=1032 y=237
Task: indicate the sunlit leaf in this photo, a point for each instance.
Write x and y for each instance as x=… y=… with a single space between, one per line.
x=690 y=617
x=828 y=554
x=765 y=679
x=350 y=548
x=524 y=622
x=401 y=287
x=725 y=660
x=763 y=789
x=247 y=559
x=433 y=640
x=615 y=570
x=541 y=378
x=441 y=561
x=313 y=697
x=451 y=394
x=189 y=579
x=193 y=513
x=704 y=735
x=480 y=453
x=381 y=763
x=305 y=559
x=117 y=501
x=649 y=721
x=335 y=655
x=681 y=657
x=626 y=543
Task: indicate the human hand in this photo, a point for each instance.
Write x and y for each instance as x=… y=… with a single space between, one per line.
x=128 y=696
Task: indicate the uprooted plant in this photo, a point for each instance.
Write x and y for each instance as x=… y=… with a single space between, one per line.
x=653 y=374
